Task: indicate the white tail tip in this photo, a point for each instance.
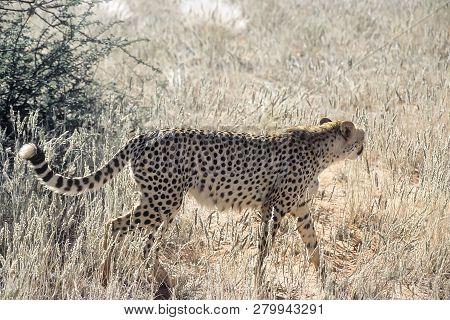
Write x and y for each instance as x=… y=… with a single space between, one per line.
x=28 y=151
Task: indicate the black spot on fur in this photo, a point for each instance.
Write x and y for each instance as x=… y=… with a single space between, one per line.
x=48 y=176
x=59 y=182
x=42 y=169
x=38 y=158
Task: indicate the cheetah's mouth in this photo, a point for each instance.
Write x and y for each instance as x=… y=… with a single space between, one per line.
x=360 y=151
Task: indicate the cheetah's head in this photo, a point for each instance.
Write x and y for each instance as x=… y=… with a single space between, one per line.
x=347 y=142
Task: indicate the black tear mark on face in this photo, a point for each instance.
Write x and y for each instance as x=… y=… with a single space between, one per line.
x=360 y=151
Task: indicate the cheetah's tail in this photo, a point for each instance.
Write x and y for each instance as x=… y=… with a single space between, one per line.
x=75 y=185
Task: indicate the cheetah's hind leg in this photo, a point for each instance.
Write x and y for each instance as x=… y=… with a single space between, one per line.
x=106 y=263
x=117 y=229
x=151 y=254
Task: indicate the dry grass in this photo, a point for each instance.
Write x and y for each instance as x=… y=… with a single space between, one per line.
x=383 y=220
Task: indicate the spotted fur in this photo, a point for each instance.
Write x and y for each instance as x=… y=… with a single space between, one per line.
x=275 y=173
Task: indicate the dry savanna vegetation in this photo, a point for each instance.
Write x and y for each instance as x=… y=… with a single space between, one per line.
x=254 y=66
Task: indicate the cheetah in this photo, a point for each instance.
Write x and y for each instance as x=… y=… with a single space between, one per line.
x=276 y=173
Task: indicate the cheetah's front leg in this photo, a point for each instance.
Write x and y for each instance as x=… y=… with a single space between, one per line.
x=305 y=226
x=268 y=214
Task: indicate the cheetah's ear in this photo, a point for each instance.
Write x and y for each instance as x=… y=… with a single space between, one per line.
x=324 y=120
x=347 y=129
